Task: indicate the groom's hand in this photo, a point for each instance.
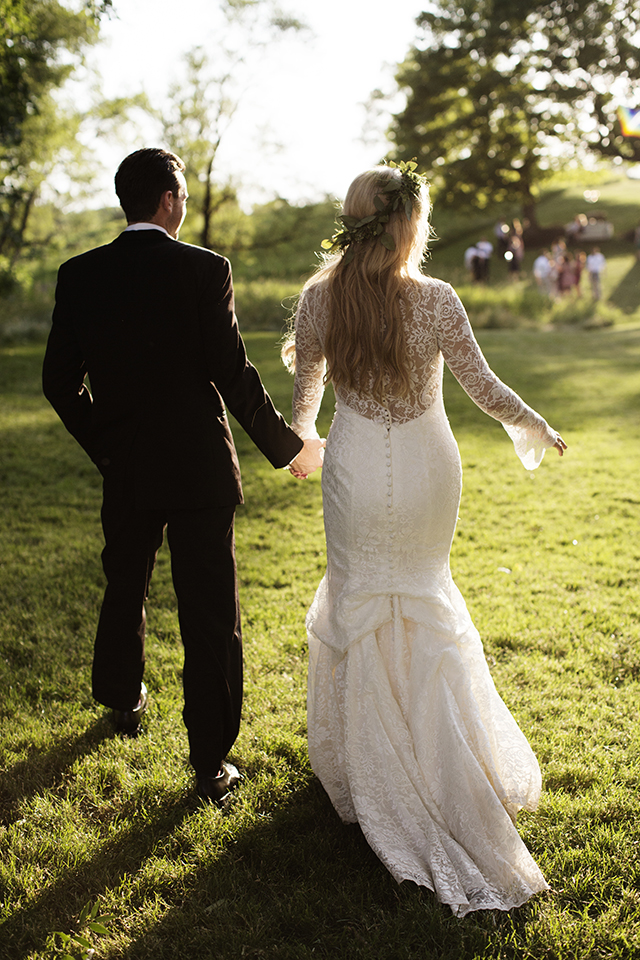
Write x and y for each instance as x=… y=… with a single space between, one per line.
x=309 y=459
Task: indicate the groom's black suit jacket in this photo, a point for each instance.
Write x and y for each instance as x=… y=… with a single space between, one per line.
x=151 y=320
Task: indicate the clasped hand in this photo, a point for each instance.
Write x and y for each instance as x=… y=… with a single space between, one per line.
x=309 y=459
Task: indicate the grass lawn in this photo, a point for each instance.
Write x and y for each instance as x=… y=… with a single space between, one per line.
x=618 y=200
x=549 y=564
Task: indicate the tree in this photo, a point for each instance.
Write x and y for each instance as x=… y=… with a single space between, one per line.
x=198 y=113
x=499 y=90
x=42 y=43
x=284 y=239
x=29 y=59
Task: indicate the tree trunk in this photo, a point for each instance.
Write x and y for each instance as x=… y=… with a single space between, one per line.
x=10 y=202
x=206 y=209
x=529 y=208
x=530 y=213
x=19 y=238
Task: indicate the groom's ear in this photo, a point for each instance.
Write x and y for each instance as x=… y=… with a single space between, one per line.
x=167 y=201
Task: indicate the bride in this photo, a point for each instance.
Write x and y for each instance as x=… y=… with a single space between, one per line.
x=407 y=732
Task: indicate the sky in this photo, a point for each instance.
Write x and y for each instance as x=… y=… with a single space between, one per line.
x=299 y=129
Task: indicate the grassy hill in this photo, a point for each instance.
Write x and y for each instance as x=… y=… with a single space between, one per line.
x=618 y=199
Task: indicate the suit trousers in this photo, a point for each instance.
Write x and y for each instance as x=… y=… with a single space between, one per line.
x=204 y=578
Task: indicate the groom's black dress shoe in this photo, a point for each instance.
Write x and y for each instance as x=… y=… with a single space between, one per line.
x=127 y=722
x=218 y=789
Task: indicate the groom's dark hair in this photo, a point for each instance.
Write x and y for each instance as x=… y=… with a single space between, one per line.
x=142 y=178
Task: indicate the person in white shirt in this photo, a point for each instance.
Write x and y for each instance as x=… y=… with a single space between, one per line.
x=596 y=265
x=485 y=251
x=542 y=267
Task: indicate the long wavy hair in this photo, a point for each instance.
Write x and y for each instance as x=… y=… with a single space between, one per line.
x=365 y=344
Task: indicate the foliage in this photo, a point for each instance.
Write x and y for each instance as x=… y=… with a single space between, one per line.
x=30 y=61
x=47 y=136
x=400 y=196
x=275 y=240
x=265 y=304
x=43 y=43
x=519 y=306
x=492 y=85
x=584 y=313
x=274 y=248
x=53 y=237
x=550 y=569
x=89 y=922
x=197 y=114
x=504 y=308
x=194 y=120
x=284 y=241
x=13 y=88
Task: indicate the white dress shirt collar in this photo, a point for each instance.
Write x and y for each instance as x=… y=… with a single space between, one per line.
x=145 y=226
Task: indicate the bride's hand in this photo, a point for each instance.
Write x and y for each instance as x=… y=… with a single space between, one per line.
x=560 y=445
x=308 y=460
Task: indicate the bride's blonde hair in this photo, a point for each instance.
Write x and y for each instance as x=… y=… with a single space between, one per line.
x=365 y=346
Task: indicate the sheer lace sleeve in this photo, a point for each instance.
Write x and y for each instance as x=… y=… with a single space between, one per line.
x=531 y=434
x=308 y=387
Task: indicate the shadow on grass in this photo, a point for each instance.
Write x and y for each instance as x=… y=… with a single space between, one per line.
x=260 y=899
x=125 y=854
x=257 y=893
x=548 y=370
x=46 y=769
x=626 y=295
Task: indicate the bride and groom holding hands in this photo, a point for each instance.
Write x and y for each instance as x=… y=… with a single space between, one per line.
x=399 y=689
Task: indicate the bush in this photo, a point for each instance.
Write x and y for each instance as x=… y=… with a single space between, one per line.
x=510 y=308
x=26 y=303
x=504 y=308
x=584 y=313
x=25 y=308
x=265 y=304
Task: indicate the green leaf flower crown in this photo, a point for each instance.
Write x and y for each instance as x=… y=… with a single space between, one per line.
x=399 y=195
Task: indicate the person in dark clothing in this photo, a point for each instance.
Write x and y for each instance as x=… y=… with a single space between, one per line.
x=151 y=321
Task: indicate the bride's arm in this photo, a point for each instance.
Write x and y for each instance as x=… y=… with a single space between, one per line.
x=531 y=434
x=310 y=366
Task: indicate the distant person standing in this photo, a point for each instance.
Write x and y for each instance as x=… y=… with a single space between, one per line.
x=514 y=256
x=596 y=265
x=558 y=249
x=542 y=268
x=566 y=274
x=516 y=249
x=580 y=263
x=485 y=252
x=575 y=228
x=472 y=262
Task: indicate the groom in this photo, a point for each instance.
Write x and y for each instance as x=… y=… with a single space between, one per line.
x=151 y=321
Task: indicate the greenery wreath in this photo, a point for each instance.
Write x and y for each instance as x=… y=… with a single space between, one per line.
x=395 y=195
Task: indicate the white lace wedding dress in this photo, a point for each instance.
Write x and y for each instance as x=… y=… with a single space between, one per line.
x=407 y=732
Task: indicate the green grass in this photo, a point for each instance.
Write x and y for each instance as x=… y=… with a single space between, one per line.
x=507 y=304
x=86 y=818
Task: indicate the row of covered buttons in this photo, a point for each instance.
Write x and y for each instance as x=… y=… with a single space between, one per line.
x=387 y=441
